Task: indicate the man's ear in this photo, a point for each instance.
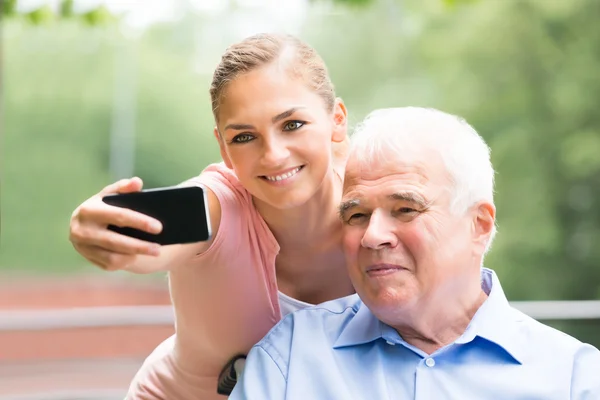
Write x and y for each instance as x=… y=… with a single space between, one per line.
x=224 y=155
x=340 y=121
x=484 y=222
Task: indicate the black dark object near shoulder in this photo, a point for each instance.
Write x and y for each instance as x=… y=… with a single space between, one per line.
x=228 y=376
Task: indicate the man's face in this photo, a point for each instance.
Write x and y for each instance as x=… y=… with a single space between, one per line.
x=403 y=246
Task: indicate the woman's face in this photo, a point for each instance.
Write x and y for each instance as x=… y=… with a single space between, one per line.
x=276 y=134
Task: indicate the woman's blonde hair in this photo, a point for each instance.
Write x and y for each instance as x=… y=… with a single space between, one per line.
x=256 y=51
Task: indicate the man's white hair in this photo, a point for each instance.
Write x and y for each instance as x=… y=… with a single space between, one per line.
x=407 y=133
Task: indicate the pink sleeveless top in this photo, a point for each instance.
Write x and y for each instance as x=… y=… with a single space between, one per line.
x=225 y=300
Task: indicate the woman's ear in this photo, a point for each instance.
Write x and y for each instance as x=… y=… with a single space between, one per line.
x=224 y=155
x=340 y=121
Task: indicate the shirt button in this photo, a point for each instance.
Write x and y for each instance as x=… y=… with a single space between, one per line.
x=430 y=362
x=390 y=343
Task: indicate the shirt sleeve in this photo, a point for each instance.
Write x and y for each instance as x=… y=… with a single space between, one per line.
x=585 y=381
x=261 y=379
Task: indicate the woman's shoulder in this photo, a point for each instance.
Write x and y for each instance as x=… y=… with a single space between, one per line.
x=218 y=176
x=236 y=212
x=225 y=185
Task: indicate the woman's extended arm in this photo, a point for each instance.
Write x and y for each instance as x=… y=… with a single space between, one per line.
x=112 y=251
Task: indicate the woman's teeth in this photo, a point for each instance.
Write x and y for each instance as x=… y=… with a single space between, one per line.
x=283 y=176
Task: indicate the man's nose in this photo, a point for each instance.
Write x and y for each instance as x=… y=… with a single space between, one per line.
x=380 y=232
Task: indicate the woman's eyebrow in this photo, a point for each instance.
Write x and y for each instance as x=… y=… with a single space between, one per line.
x=285 y=114
x=277 y=118
x=239 y=127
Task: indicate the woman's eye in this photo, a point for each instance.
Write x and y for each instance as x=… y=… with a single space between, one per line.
x=242 y=138
x=406 y=210
x=293 y=125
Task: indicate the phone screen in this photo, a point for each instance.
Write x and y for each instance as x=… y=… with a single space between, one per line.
x=183 y=212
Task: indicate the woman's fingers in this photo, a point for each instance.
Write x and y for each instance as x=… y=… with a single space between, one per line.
x=107 y=260
x=102 y=215
x=110 y=250
x=117 y=243
x=130 y=185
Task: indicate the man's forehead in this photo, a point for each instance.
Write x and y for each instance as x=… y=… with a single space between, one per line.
x=417 y=169
x=365 y=183
x=363 y=177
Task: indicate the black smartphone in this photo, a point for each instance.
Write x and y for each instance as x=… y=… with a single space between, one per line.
x=183 y=212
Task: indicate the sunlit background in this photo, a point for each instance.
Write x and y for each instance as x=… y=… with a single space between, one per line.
x=94 y=91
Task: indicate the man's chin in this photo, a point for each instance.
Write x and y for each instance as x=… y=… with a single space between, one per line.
x=387 y=299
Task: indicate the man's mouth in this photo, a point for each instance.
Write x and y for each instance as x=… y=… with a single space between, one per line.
x=383 y=269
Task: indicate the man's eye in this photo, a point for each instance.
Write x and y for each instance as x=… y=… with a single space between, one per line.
x=242 y=138
x=406 y=212
x=293 y=125
x=356 y=218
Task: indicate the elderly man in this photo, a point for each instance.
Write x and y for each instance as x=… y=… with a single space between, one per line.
x=429 y=321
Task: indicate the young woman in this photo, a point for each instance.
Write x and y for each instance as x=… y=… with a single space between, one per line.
x=276 y=243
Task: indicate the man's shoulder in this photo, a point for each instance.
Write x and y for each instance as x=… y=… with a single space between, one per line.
x=337 y=306
x=544 y=337
x=318 y=325
x=333 y=312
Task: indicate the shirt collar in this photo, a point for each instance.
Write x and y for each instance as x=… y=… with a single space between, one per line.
x=363 y=328
x=495 y=321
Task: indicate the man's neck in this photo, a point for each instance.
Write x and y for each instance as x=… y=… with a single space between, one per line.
x=439 y=322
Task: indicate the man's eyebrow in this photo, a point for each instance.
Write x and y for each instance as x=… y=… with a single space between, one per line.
x=410 y=197
x=277 y=118
x=285 y=114
x=347 y=205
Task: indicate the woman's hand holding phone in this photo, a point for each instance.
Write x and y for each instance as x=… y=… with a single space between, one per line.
x=105 y=248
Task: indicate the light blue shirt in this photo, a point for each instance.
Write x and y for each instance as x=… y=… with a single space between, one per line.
x=340 y=350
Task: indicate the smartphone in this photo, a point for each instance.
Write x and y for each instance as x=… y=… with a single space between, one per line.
x=183 y=212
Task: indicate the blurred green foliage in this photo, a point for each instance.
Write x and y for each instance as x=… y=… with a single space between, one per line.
x=45 y=14
x=8 y=7
x=524 y=73
x=100 y=15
